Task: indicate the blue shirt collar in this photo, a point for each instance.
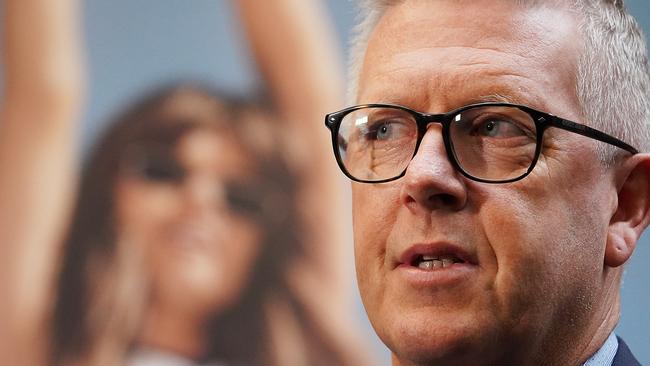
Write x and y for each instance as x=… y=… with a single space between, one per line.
x=605 y=355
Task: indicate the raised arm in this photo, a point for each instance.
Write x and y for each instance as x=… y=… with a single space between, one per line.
x=39 y=111
x=295 y=49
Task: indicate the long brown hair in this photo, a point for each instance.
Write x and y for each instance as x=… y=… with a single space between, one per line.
x=100 y=299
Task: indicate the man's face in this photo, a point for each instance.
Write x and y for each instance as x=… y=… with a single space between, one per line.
x=531 y=252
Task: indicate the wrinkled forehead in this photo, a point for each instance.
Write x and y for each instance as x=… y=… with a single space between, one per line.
x=455 y=42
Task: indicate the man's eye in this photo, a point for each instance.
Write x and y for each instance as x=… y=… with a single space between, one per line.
x=388 y=130
x=384 y=131
x=498 y=129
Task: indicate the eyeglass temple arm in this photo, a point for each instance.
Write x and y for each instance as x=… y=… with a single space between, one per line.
x=590 y=132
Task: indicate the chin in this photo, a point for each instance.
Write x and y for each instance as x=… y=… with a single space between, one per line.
x=190 y=291
x=422 y=339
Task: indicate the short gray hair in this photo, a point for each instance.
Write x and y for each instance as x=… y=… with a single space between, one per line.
x=613 y=73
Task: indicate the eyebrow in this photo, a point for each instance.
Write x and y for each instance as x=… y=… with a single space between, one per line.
x=500 y=98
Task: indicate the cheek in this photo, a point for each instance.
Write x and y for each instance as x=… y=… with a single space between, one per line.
x=142 y=210
x=241 y=247
x=543 y=248
x=374 y=213
x=518 y=250
x=224 y=271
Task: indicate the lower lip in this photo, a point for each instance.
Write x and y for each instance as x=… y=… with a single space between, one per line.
x=436 y=278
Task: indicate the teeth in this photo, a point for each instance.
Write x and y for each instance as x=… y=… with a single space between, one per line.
x=436 y=262
x=446 y=262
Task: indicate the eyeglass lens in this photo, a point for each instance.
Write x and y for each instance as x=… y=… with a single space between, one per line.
x=488 y=142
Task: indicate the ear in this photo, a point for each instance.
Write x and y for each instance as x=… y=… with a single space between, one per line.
x=632 y=214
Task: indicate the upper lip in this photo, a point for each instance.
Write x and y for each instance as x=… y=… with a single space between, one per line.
x=413 y=252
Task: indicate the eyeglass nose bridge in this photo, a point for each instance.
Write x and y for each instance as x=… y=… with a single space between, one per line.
x=424 y=120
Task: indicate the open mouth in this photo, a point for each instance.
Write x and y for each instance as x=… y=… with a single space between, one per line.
x=433 y=262
x=436 y=265
x=436 y=256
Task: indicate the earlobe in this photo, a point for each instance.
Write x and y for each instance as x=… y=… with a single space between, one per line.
x=632 y=214
x=621 y=241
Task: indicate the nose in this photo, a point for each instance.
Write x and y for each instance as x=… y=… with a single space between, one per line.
x=202 y=197
x=431 y=182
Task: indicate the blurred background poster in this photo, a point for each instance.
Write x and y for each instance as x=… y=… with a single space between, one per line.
x=136 y=46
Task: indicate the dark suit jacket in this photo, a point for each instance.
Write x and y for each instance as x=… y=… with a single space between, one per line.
x=623 y=356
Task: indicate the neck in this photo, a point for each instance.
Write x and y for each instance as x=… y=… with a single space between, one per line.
x=605 y=319
x=176 y=332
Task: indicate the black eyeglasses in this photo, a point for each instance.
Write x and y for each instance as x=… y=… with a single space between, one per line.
x=487 y=142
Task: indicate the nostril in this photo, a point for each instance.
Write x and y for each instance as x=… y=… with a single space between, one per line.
x=443 y=199
x=431 y=199
x=410 y=200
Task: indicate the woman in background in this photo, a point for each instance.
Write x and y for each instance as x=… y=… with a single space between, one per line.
x=204 y=225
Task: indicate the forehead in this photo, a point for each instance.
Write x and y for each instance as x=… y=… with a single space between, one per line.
x=442 y=53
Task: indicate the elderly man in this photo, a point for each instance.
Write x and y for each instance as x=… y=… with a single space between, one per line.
x=498 y=187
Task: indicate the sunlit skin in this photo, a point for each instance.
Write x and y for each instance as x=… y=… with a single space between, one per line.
x=537 y=291
x=199 y=253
